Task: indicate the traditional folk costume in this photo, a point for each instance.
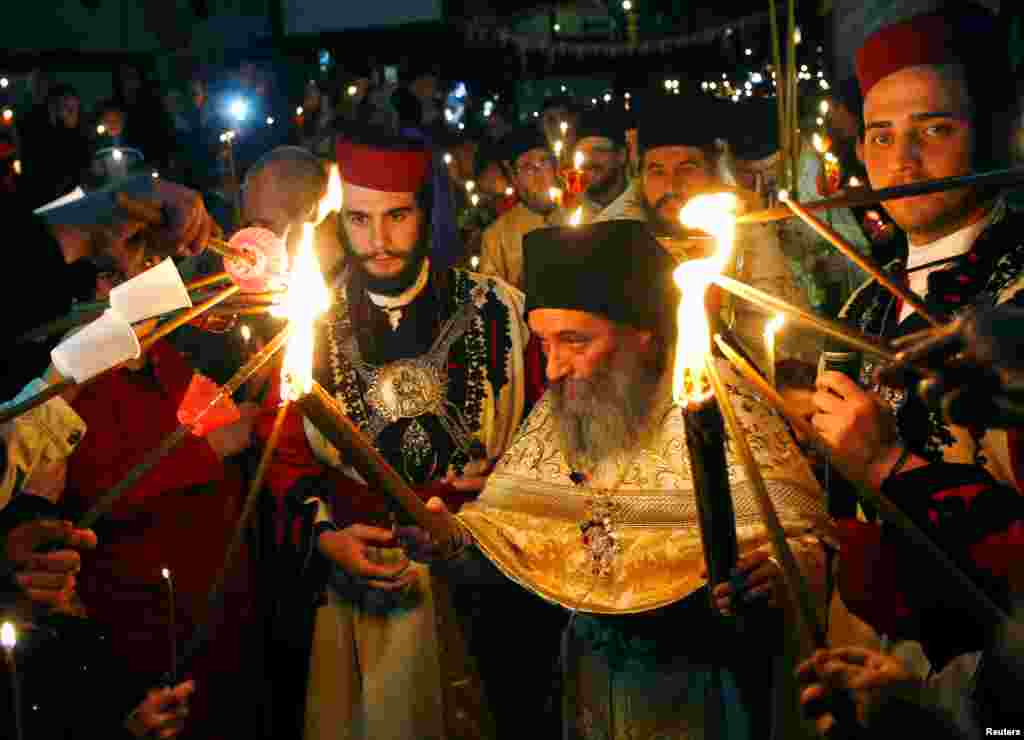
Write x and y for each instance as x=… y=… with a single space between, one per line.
x=502 y=251
x=757 y=257
x=645 y=656
x=435 y=377
x=968 y=499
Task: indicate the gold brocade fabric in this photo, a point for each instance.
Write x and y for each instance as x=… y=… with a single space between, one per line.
x=529 y=518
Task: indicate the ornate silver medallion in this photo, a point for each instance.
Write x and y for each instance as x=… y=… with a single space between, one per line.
x=406 y=389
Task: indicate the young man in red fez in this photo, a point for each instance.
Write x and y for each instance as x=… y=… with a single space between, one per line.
x=931 y=110
x=429 y=363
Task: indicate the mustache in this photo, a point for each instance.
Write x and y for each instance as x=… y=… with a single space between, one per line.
x=362 y=258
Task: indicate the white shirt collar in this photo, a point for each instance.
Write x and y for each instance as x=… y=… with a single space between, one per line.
x=953 y=245
x=393 y=304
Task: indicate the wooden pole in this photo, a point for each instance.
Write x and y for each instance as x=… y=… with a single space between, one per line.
x=215 y=596
x=850 y=337
x=325 y=414
x=175 y=438
x=888 y=510
x=193 y=313
x=220 y=277
x=780 y=96
x=806 y=614
x=867 y=265
x=857 y=197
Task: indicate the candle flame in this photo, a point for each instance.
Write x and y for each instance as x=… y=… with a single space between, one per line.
x=8 y=637
x=558 y=148
x=165 y=573
x=246 y=332
x=774 y=325
x=577 y=217
x=331 y=202
x=854 y=182
x=819 y=143
x=715 y=214
x=564 y=126
x=556 y=195
x=307 y=298
x=470 y=186
x=578 y=160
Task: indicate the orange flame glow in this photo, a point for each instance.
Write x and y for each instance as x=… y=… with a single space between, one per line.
x=307 y=298
x=715 y=214
x=331 y=202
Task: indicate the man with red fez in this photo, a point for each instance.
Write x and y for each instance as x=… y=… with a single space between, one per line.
x=534 y=174
x=594 y=508
x=931 y=110
x=429 y=364
x=676 y=138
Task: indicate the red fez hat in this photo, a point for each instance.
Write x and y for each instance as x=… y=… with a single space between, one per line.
x=393 y=166
x=946 y=37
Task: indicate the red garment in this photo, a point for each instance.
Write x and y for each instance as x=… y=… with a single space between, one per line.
x=180 y=515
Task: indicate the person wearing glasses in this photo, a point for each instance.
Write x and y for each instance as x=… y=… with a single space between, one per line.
x=535 y=178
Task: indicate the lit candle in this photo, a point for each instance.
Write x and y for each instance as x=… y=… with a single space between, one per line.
x=172 y=633
x=770 y=330
x=246 y=333
x=691 y=389
x=556 y=196
x=578 y=160
x=577 y=217
x=9 y=638
x=474 y=261
x=470 y=186
x=564 y=127
x=558 y=146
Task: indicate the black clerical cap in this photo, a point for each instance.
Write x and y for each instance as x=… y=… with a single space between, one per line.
x=752 y=129
x=615 y=269
x=679 y=120
x=603 y=124
x=522 y=139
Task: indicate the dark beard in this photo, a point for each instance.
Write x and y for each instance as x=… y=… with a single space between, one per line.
x=606 y=414
x=657 y=223
x=608 y=190
x=401 y=282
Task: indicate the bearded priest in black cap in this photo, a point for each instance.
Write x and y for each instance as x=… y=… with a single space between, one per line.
x=593 y=507
x=534 y=173
x=679 y=138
